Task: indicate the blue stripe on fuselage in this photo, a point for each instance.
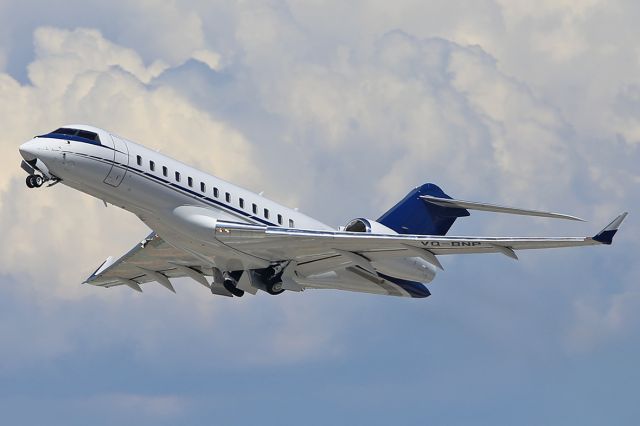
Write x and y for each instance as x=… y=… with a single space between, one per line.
x=174 y=186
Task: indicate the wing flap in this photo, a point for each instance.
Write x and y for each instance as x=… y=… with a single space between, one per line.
x=153 y=259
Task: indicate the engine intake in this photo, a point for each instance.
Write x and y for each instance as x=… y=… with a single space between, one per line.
x=368 y=226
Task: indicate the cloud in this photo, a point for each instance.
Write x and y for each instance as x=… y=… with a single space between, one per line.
x=78 y=76
x=211 y=59
x=391 y=108
x=64 y=55
x=338 y=108
x=600 y=322
x=407 y=105
x=169 y=34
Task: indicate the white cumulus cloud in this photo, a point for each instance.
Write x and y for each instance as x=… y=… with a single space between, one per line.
x=338 y=108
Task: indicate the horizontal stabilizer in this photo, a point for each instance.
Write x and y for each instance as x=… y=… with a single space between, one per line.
x=606 y=235
x=460 y=204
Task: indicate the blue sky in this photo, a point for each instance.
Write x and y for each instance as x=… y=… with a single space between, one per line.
x=338 y=109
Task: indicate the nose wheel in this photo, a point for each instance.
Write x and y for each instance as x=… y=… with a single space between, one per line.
x=34 y=181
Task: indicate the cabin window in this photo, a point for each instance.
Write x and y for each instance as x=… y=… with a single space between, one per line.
x=190 y=181
x=177 y=176
x=216 y=193
x=165 y=171
x=266 y=213
x=152 y=166
x=203 y=187
x=291 y=223
x=279 y=219
x=241 y=201
x=139 y=160
x=254 y=208
x=227 y=197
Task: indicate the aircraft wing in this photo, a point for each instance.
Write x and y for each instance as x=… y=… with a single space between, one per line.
x=153 y=259
x=351 y=256
x=308 y=254
x=316 y=252
x=309 y=246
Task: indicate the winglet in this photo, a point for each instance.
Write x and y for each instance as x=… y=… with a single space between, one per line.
x=606 y=235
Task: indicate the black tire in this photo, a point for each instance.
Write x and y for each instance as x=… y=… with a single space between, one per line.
x=275 y=288
x=37 y=181
x=231 y=288
x=30 y=181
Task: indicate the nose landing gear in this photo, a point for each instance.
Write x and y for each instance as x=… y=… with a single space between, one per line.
x=34 y=181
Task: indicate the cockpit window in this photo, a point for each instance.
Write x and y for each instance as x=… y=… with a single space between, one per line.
x=88 y=135
x=75 y=135
x=63 y=131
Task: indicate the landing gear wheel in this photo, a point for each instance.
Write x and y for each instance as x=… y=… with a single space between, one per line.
x=30 y=181
x=37 y=181
x=231 y=288
x=275 y=288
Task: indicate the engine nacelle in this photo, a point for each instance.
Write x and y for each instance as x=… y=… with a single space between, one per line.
x=369 y=226
x=408 y=268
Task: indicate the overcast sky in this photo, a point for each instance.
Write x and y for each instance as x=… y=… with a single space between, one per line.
x=338 y=108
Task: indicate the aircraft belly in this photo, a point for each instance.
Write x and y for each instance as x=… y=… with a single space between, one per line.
x=191 y=229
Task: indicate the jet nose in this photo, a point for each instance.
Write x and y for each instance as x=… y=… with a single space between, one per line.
x=28 y=150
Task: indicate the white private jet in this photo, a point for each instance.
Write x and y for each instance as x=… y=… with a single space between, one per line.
x=206 y=227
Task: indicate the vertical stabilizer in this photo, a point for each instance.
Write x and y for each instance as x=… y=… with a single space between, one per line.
x=413 y=215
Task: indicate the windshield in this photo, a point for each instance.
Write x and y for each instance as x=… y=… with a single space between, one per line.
x=74 y=134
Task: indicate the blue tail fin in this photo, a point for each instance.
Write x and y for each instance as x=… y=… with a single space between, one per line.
x=413 y=215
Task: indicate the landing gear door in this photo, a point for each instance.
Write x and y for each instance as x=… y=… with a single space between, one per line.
x=120 y=162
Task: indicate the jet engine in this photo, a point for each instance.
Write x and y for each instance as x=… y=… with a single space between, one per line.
x=405 y=267
x=368 y=225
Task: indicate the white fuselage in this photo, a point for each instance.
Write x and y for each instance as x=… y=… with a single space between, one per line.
x=179 y=202
x=146 y=182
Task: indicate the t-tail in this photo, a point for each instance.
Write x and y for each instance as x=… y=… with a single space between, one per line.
x=427 y=210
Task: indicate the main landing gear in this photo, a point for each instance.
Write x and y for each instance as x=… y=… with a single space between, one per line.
x=272 y=278
x=231 y=285
x=35 y=181
x=269 y=280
